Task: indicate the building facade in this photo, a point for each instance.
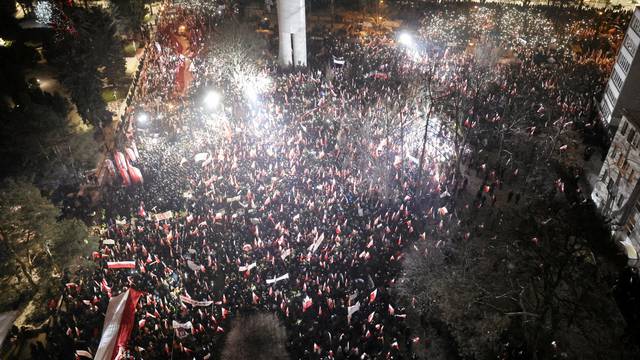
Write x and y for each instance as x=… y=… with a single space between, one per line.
x=617 y=192
x=622 y=93
x=292 y=32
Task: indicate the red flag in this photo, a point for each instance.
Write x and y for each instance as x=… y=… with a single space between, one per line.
x=255 y=298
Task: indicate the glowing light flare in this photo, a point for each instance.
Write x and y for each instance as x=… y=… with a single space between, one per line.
x=253 y=86
x=212 y=99
x=406 y=39
x=143 y=118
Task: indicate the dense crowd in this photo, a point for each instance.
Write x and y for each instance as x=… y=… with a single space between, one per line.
x=315 y=175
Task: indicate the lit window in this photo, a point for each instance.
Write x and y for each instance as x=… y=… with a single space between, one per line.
x=617 y=80
x=624 y=63
x=635 y=25
x=629 y=45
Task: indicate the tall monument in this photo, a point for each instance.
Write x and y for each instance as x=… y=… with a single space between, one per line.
x=292 y=32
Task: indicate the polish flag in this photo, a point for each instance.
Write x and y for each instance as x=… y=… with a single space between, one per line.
x=370 y=317
x=372 y=296
x=306 y=303
x=118 y=323
x=255 y=297
x=391 y=310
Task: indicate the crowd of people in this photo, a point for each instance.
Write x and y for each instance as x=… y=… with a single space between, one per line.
x=299 y=194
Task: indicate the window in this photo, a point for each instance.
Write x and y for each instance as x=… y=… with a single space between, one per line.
x=617 y=80
x=604 y=107
x=631 y=136
x=625 y=166
x=612 y=98
x=624 y=63
x=631 y=173
x=610 y=186
x=625 y=126
x=638 y=205
x=614 y=153
x=635 y=25
x=629 y=45
x=621 y=160
x=631 y=224
x=620 y=200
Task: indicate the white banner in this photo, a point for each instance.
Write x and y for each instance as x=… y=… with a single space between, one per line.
x=316 y=243
x=189 y=301
x=182 y=329
x=234 y=199
x=164 y=216
x=247 y=267
x=201 y=157
x=121 y=264
x=193 y=266
x=279 y=278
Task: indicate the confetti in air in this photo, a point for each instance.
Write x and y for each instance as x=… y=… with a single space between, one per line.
x=44 y=12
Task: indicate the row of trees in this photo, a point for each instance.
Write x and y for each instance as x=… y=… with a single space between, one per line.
x=34 y=244
x=45 y=146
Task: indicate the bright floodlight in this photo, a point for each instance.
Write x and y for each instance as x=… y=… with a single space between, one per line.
x=212 y=100
x=406 y=39
x=143 y=118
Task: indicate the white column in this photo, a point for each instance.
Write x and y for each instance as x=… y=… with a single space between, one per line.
x=291 y=20
x=285 y=54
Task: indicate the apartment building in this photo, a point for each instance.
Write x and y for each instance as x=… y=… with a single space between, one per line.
x=617 y=192
x=622 y=93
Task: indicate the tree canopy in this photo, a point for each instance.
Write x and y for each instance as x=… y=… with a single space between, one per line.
x=87 y=60
x=34 y=243
x=528 y=281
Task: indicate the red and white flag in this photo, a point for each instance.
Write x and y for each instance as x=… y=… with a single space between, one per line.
x=306 y=303
x=121 y=264
x=118 y=323
x=373 y=295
